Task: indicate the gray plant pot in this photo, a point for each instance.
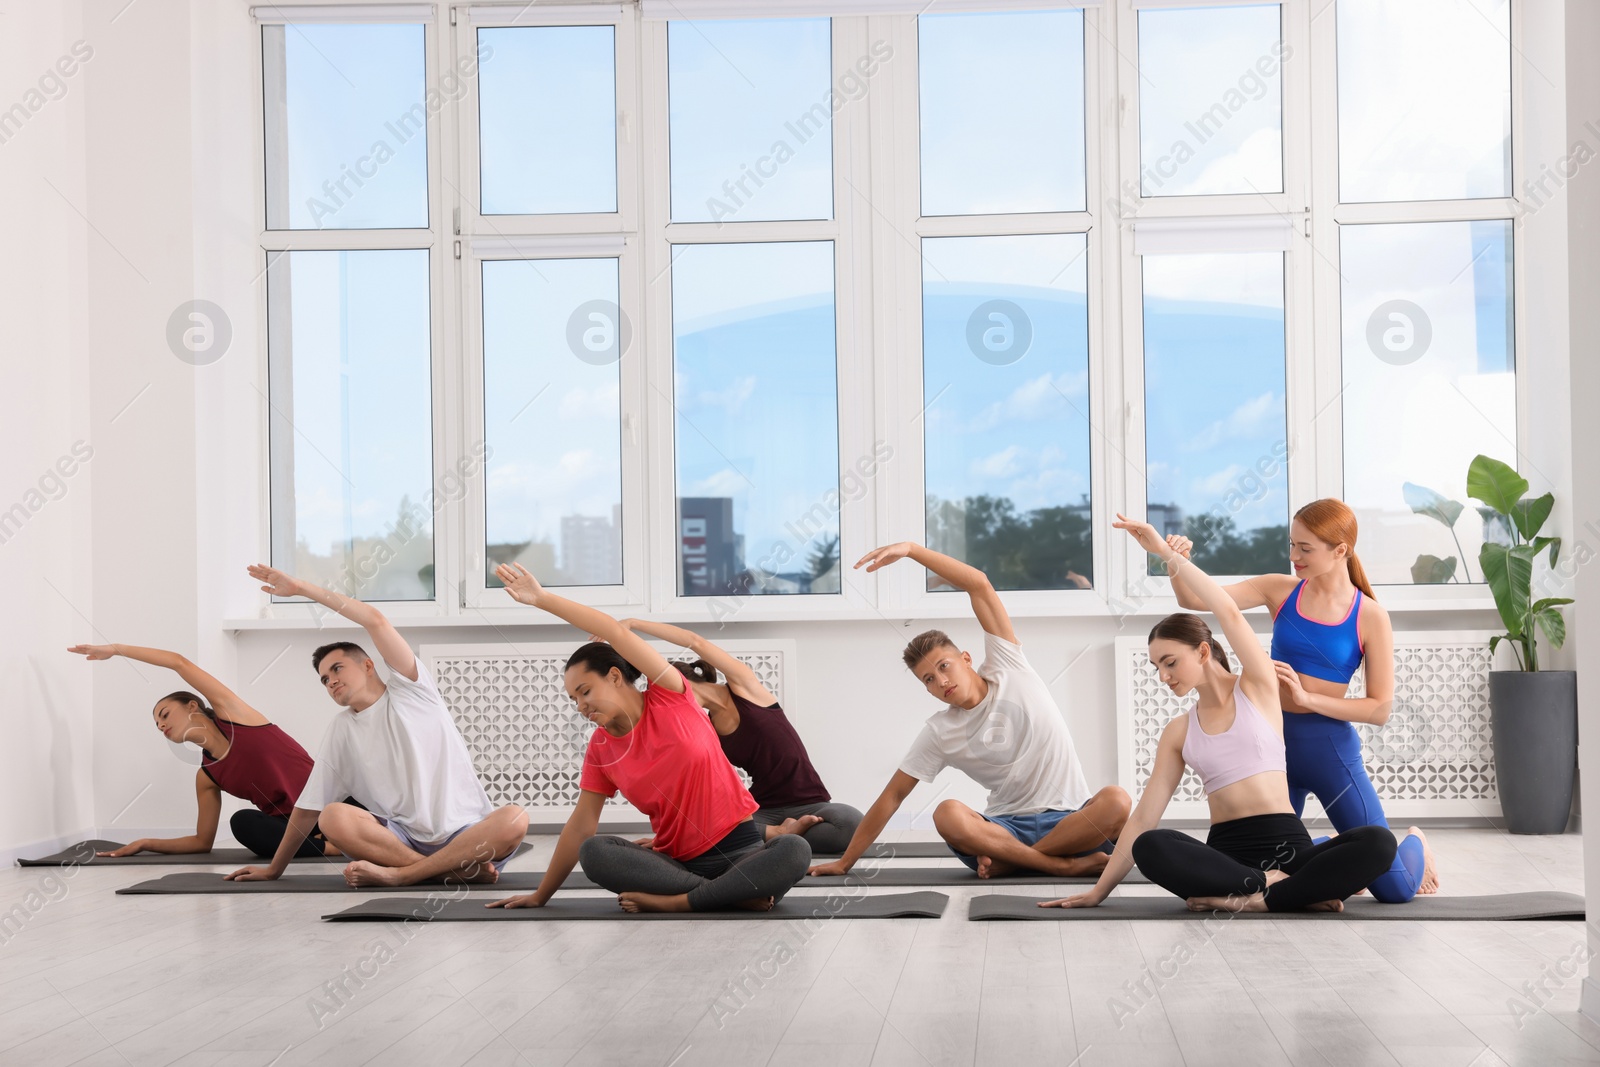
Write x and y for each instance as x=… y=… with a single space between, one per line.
x=1534 y=718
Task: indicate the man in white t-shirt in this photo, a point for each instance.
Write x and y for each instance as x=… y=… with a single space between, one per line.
x=423 y=814
x=1002 y=728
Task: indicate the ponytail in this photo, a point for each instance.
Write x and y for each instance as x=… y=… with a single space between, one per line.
x=1191 y=630
x=1331 y=521
x=698 y=671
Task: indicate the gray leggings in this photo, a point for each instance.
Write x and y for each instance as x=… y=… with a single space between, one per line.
x=831 y=836
x=714 y=880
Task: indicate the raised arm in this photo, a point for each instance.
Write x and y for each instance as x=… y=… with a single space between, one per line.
x=390 y=646
x=1262 y=591
x=1260 y=677
x=524 y=588
x=872 y=823
x=1165 y=775
x=223 y=700
x=735 y=670
x=986 y=603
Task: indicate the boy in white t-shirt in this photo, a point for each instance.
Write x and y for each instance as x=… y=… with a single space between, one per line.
x=1002 y=728
x=423 y=813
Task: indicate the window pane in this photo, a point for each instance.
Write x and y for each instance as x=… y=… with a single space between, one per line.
x=757 y=418
x=750 y=117
x=1429 y=383
x=1210 y=101
x=1216 y=442
x=552 y=341
x=1002 y=112
x=1424 y=99
x=1005 y=355
x=351 y=425
x=547 y=120
x=346 y=118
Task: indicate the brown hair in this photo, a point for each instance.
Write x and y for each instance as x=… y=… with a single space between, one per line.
x=1190 y=630
x=183 y=696
x=924 y=643
x=1331 y=521
x=698 y=671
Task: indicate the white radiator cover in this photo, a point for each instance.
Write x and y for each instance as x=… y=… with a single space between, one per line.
x=523 y=731
x=1432 y=759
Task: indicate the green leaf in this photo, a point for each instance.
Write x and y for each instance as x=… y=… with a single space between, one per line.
x=1431 y=570
x=1495 y=484
x=1548 y=602
x=1529 y=515
x=1553 y=542
x=1553 y=625
x=1509 y=572
x=1425 y=501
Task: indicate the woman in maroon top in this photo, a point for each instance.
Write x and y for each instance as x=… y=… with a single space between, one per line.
x=242 y=754
x=757 y=736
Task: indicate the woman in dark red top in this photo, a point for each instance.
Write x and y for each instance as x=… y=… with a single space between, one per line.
x=757 y=736
x=242 y=754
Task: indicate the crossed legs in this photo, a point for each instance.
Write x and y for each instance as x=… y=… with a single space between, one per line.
x=378 y=857
x=1067 y=850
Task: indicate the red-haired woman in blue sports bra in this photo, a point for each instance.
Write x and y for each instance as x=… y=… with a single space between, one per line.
x=1325 y=622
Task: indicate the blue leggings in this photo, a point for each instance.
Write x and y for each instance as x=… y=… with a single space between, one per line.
x=1325 y=759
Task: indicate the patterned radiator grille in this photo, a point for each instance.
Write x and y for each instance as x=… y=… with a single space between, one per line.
x=525 y=735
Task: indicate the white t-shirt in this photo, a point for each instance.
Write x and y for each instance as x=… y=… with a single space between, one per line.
x=402 y=758
x=1014 y=743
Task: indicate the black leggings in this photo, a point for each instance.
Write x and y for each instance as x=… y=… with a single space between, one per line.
x=262 y=834
x=739 y=867
x=1234 y=859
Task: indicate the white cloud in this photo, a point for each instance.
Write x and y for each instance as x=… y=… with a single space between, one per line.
x=1044 y=397
x=725 y=482
x=1218 y=483
x=1002 y=464
x=582 y=405
x=1245 y=420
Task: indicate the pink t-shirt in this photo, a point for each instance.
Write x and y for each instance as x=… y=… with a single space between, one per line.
x=671 y=767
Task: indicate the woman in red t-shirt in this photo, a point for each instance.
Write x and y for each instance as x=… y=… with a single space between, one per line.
x=241 y=754
x=659 y=751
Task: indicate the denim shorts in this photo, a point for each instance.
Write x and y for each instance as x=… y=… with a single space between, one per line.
x=1030 y=829
x=427 y=850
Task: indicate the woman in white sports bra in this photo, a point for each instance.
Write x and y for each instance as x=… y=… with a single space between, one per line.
x=1257 y=856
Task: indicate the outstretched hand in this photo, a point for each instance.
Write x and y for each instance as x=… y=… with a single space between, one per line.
x=526 y=900
x=1147 y=536
x=250 y=874
x=274 y=581
x=837 y=867
x=1081 y=900
x=132 y=848
x=94 y=651
x=882 y=557
x=520 y=583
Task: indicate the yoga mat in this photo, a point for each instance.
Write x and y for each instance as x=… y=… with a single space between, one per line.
x=398 y=909
x=189 y=882
x=1543 y=905
x=83 y=854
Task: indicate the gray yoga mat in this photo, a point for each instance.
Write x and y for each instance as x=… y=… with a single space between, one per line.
x=83 y=854
x=398 y=909
x=1543 y=905
x=189 y=882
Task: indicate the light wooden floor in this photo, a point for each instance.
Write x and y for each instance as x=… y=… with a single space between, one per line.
x=96 y=979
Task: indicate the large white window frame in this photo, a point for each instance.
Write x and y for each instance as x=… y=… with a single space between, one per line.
x=876 y=231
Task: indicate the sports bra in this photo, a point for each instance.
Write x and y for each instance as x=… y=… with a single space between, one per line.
x=1331 y=651
x=1248 y=747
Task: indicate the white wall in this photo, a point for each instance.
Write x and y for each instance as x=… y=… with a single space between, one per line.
x=45 y=567
x=157 y=143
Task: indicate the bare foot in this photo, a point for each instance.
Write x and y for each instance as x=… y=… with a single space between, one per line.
x=362 y=873
x=757 y=904
x=793 y=826
x=1074 y=866
x=1430 y=869
x=1253 y=902
x=1326 y=905
x=989 y=867
x=477 y=874
x=637 y=902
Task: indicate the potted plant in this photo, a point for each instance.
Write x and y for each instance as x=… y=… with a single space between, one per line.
x=1533 y=714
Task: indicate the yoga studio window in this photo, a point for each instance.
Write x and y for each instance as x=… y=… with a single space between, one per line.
x=1425 y=246
x=1005 y=336
x=1215 y=419
x=350 y=330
